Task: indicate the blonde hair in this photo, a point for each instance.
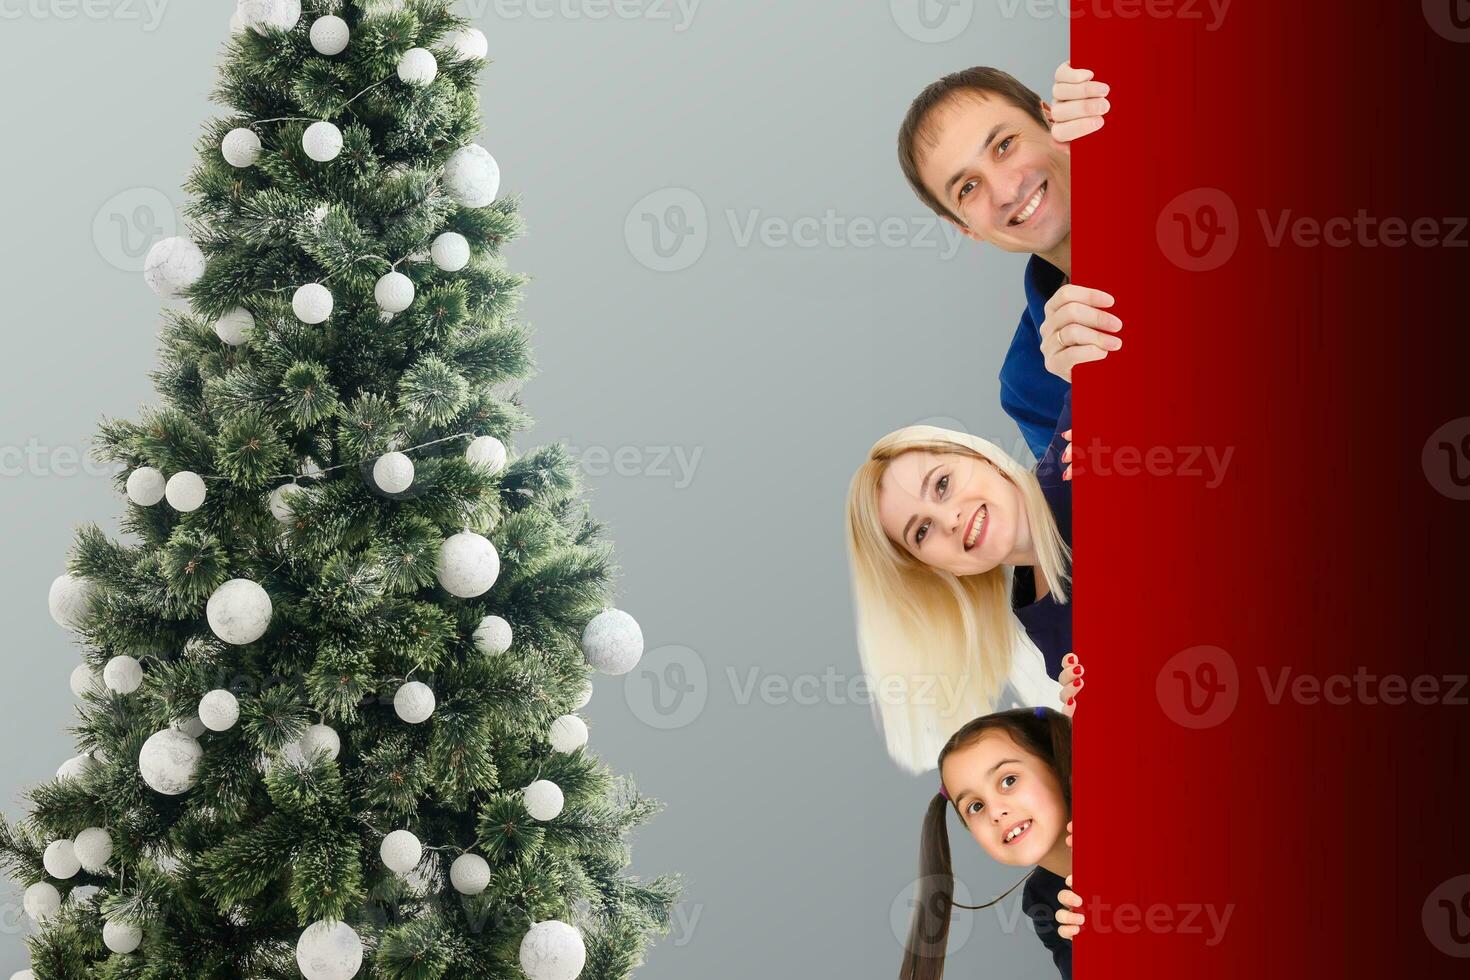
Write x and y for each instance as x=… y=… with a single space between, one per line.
x=946 y=642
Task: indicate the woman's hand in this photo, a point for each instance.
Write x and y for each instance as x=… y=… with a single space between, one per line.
x=1067 y=456
x=1078 y=328
x=1071 y=681
x=1078 y=103
x=1069 y=921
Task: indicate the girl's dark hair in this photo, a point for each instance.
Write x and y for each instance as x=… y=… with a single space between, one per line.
x=1044 y=733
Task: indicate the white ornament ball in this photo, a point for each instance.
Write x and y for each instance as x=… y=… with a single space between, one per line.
x=414 y=702
x=401 y=852
x=319 y=740
x=612 y=642
x=191 y=726
x=418 y=66
x=544 y=800
x=472 y=177
x=281 y=501
x=329 y=951
x=240 y=147
x=322 y=141
x=450 y=251
x=94 y=849
x=100 y=754
x=468 y=565
x=493 y=636
x=185 y=491
x=568 y=733
x=145 y=486
x=267 y=15
x=585 y=698
x=393 y=472
x=41 y=900
x=312 y=303
x=219 y=710
x=394 y=292
x=121 y=937
x=469 y=874
x=553 y=951
x=170 y=761
x=239 y=611
x=61 y=860
x=172 y=266
x=234 y=327
x=85 y=680
x=329 y=35
x=123 y=674
x=70 y=599
x=76 y=767
x=468 y=43
x=237 y=23
x=488 y=453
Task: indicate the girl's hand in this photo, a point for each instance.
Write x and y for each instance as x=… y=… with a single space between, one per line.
x=1069 y=921
x=1069 y=833
x=1071 y=681
x=1078 y=103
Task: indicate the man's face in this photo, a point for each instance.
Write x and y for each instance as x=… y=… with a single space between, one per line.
x=1000 y=171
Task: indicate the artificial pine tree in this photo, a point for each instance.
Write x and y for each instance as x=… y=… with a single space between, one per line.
x=327 y=703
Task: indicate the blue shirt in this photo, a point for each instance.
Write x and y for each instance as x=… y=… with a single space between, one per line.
x=1030 y=393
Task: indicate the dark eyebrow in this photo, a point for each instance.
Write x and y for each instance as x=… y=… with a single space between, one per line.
x=923 y=489
x=989 y=138
x=1003 y=762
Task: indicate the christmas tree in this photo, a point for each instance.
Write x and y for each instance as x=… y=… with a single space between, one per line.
x=329 y=685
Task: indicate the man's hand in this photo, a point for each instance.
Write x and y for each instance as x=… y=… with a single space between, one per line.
x=1078 y=329
x=1078 y=103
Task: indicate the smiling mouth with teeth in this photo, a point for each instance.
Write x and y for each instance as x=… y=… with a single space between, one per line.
x=976 y=530
x=1023 y=215
x=1016 y=831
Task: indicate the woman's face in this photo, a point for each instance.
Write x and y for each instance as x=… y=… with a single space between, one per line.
x=1009 y=799
x=952 y=511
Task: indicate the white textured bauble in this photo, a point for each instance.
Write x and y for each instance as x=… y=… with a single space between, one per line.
x=239 y=611
x=185 y=491
x=219 y=710
x=281 y=502
x=76 y=767
x=393 y=472
x=329 y=951
x=568 y=733
x=612 y=642
x=488 y=453
x=123 y=674
x=329 y=35
x=61 y=860
x=414 y=702
x=172 y=266
x=237 y=23
x=468 y=43
x=240 y=147
x=493 y=636
x=469 y=874
x=85 y=680
x=553 y=951
x=320 y=740
x=69 y=600
x=234 y=327
x=145 y=486
x=450 y=251
x=544 y=800
x=268 y=15
x=585 y=698
x=401 y=852
x=418 y=66
x=312 y=303
x=191 y=726
x=468 y=565
x=121 y=937
x=100 y=754
x=472 y=177
x=169 y=761
x=394 y=292
x=94 y=849
x=41 y=900
x=322 y=141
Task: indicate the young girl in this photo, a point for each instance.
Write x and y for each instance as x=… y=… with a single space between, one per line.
x=1008 y=777
x=960 y=561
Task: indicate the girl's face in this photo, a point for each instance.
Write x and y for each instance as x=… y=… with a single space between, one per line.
x=1009 y=799
x=953 y=512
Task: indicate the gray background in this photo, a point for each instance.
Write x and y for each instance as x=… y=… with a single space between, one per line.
x=776 y=362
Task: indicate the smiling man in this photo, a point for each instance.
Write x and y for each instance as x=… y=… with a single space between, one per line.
x=988 y=155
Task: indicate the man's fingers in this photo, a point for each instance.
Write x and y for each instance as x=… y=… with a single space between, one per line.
x=1066 y=73
x=1063 y=364
x=1076 y=335
x=1065 y=92
x=1079 y=109
x=1070 y=132
x=1072 y=293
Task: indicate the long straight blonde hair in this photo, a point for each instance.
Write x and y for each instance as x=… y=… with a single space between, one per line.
x=937 y=648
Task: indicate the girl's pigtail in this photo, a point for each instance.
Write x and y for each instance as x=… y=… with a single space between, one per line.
x=933 y=898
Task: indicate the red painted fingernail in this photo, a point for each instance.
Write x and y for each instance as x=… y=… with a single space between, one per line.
x=1079 y=670
x=1077 y=683
x=1071 y=702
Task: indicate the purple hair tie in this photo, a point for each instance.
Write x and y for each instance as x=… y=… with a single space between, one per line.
x=943 y=792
